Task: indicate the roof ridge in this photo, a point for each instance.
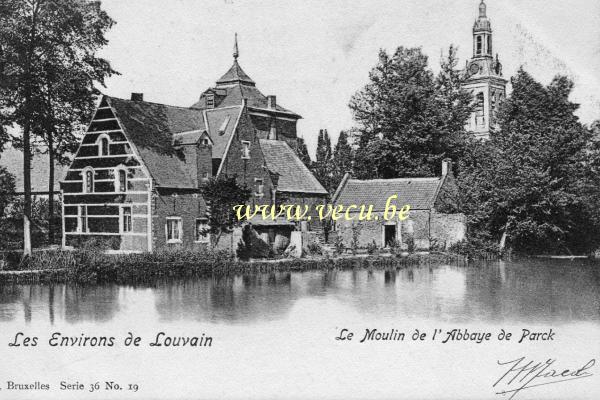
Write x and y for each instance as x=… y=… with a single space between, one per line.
x=153 y=102
x=378 y=180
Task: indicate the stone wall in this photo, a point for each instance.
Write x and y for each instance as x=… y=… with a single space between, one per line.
x=424 y=227
x=447 y=229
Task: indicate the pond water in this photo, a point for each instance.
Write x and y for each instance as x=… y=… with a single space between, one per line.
x=273 y=335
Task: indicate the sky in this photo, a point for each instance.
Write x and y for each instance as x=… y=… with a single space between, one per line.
x=314 y=55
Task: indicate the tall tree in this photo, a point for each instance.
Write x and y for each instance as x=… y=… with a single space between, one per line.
x=49 y=75
x=342 y=159
x=408 y=119
x=322 y=167
x=303 y=153
x=533 y=185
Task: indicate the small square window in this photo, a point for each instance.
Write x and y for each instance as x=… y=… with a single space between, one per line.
x=173 y=228
x=202 y=234
x=245 y=149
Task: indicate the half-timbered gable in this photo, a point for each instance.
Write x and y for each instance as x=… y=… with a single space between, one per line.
x=106 y=191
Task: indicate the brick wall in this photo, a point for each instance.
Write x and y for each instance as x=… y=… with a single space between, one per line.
x=248 y=170
x=187 y=206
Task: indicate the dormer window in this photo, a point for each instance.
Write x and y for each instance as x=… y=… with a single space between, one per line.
x=103 y=145
x=245 y=150
x=210 y=100
x=88 y=180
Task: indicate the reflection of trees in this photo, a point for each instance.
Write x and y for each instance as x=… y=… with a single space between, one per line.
x=43 y=302
x=240 y=298
x=536 y=290
x=89 y=303
x=9 y=299
x=532 y=291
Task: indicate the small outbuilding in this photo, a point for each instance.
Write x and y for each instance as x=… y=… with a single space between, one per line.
x=431 y=223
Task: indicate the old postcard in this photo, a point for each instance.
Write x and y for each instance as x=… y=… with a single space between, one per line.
x=277 y=199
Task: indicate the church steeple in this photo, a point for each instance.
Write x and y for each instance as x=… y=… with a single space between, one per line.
x=484 y=78
x=482 y=34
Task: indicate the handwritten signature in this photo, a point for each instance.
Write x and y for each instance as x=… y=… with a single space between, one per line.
x=523 y=374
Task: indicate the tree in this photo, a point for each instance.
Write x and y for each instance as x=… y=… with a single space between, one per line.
x=322 y=167
x=535 y=184
x=7 y=190
x=221 y=194
x=303 y=153
x=49 y=75
x=342 y=160
x=409 y=120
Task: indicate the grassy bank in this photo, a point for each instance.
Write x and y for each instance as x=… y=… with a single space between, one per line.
x=96 y=267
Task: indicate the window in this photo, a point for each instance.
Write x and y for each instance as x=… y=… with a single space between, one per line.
x=245 y=149
x=82 y=226
x=479 y=104
x=202 y=235
x=489 y=45
x=103 y=145
x=259 y=187
x=210 y=101
x=479 y=44
x=88 y=180
x=121 y=180
x=126 y=225
x=173 y=230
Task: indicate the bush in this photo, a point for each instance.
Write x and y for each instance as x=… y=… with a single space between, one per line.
x=371 y=247
x=314 y=249
x=475 y=248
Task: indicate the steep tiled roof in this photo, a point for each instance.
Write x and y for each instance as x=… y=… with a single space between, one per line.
x=150 y=126
x=12 y=160
x=236 y=93
x=294 y=176
x=419 y=193
x=234 y=75
x=221 y=123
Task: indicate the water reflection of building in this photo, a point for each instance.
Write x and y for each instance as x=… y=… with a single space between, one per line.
x=240 y=298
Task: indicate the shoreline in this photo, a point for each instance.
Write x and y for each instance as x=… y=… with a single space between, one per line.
x=118 y=270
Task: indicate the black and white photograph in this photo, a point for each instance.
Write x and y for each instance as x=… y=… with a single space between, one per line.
x=278 y=199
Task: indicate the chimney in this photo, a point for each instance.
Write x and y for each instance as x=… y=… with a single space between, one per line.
x=137 y=96
x=446 y=166
x=271 y=102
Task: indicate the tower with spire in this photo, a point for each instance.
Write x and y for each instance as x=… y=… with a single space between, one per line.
x=236 y=88
x=484 y=79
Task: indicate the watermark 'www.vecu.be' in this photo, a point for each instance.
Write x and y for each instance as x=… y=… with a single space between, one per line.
x=296 y=212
